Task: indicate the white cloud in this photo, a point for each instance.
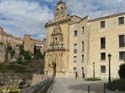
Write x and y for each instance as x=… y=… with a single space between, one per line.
x=24 y=17
x=95 y=8
x=20 y=17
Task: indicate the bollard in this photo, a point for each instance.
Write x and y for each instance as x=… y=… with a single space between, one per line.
x=104 y=88
x=88 y=89
x=116 y=91
x=27 y=91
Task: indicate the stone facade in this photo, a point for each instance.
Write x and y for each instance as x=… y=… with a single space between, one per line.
x=85 y=44
x=2 y=53
x=111 y=32
x=7 y=38
x=79 y=47
x=57 y=43
x=93 y=56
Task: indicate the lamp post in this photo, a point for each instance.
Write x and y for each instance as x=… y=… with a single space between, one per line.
x=94 y=70
x=109 y=57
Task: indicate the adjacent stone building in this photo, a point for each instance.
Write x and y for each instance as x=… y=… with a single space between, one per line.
x=7 y=38
x=106 y=35
x=30 y=43
x=81 y=45
x=2 y=53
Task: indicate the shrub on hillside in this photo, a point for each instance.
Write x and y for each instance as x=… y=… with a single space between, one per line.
x=122 y=71
x=27 y=55
x=92 y=79
x=117 y=85
x=1 y=43
x=3 y=68
x=17 y=68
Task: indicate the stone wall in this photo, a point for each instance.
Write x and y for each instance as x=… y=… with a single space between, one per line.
x=38 y=78
x=2 y=53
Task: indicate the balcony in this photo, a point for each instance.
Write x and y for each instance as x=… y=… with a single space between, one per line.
x=56 y=47
x=55 y=34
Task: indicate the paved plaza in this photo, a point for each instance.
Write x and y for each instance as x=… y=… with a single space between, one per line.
x=68 y=85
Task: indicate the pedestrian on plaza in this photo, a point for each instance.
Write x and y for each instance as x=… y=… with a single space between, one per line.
x=76 y=75
x=83 y=75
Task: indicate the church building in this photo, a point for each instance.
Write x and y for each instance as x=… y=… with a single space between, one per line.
x=81 y=45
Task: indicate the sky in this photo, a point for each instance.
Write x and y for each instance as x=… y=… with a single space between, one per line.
x=19 y=17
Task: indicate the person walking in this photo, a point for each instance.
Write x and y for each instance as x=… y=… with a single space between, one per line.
x=76 y=74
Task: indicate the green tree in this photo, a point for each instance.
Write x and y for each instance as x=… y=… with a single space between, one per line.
x=2 y=68
x=21 y=47
x=1 y=43
x=17 y=68
x=9 y=50
x=122 y=71
x=37 y=53
x=26 y=54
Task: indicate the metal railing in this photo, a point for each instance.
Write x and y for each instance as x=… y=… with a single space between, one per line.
x=41 y=87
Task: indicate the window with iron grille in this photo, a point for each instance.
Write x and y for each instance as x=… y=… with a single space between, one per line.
x=121 y=20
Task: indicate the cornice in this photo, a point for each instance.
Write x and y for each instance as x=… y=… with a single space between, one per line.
x=64 y=20
x=106 y=17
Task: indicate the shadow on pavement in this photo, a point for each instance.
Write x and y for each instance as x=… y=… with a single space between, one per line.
x=98 y=87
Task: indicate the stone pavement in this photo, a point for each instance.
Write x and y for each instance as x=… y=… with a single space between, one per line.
x=68 y=85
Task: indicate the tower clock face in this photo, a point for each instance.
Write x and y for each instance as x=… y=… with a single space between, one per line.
x=60 y=12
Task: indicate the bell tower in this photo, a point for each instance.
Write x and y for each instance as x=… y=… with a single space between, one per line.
x=60 y=10
x=57 y=45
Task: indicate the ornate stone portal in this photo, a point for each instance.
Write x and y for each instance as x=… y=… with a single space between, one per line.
x=56 y=51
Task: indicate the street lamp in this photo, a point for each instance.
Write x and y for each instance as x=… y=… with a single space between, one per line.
x=94 y=70
x=109 y=57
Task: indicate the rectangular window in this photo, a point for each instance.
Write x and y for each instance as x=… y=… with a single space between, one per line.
x=121 y=20
x=121 y=40
x=103 y=56
x=122 y=55
x=75 y=33
x=82 y=58
x=74 y=68
x=102 y=24
x=103 y=43
x=75 y=59
x=75 y=45
x=75 y=48
x=82 y=46
x=83 y=30
x=103 y=69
